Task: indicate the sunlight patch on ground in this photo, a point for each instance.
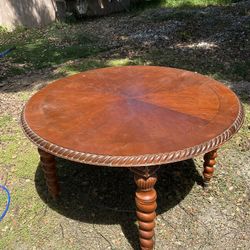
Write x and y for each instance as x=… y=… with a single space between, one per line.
x=202 y=45
x=119 y=62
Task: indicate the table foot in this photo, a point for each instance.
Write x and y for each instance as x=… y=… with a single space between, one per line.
x=209 y=162
x=145 y=199
x=48 y=164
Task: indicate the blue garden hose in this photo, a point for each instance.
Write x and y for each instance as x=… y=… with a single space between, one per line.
x=8 y=202
x=4 y=53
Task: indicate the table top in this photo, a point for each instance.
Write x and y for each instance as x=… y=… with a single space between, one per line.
x=132 y=116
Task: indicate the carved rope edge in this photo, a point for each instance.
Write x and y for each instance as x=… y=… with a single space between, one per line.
x=137 y=160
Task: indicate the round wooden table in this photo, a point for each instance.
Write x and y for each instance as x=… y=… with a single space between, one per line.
x=138 y=117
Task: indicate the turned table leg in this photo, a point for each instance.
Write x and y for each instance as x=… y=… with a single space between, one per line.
x=48 y=164
x=145 y=199
x=209 y=162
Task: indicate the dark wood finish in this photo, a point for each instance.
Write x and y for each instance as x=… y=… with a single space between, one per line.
x=132 y=116
x=145 y=199
x=136 y=117
x=48 y=165
x=209 y=162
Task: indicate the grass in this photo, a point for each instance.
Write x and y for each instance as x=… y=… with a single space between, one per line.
x=43 y=48
x=186 y=3
x=90 y=63
x=63 y=42
x=192 y=3
x=5 y=120
x=68 y=49
x=16 y=155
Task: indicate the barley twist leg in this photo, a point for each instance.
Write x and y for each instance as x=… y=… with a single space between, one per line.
x=48 y=164
x=145 y=199
x=209 y=162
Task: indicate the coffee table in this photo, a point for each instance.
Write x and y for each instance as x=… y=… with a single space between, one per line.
x=136 y=117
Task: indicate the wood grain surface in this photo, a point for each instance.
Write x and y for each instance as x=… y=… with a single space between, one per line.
x=132 y=116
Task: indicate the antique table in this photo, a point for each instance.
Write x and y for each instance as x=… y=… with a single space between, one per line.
x=138 y=117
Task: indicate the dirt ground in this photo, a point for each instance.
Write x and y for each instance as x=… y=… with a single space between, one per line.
x=96 y=207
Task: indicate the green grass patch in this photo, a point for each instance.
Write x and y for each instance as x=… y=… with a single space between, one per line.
x=41 y=48
x=17 y=150
x=192 y=3
x=5 y=120
x=84 y=65
x=184 y=3
x=27 y=162
x=24 y=95
x=88 y=64
x=18 y=225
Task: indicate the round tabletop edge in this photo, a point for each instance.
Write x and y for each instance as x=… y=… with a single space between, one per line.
x=133 y=160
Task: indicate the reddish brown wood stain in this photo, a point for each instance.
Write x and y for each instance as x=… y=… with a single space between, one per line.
x=132 y=116
x=131 y=111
